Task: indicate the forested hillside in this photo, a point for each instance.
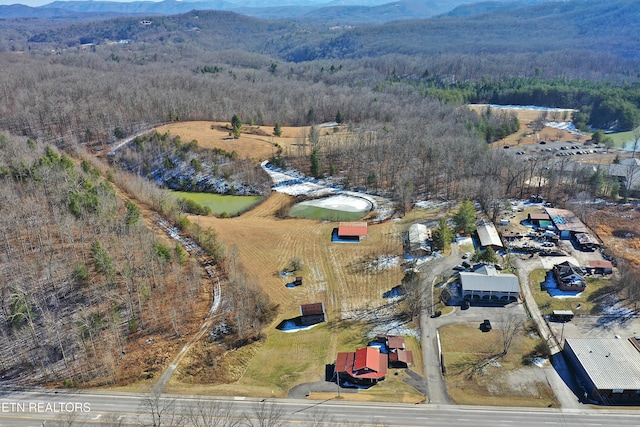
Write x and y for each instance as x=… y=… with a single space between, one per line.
x=84 y=281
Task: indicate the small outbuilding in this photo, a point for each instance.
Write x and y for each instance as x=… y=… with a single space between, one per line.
x=600 y=267
x=489 y=237
x=399 y=356
x=355 y=231
x=418 y=240
x=311 y=314
x=561 y=315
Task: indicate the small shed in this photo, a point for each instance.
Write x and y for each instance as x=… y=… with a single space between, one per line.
x=587 y=242
x=311 y=314
x=353 y=231
x=418 y=235
x=600 y=267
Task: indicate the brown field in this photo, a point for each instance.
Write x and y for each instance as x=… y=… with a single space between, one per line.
x=470 y=381
x=255 y=142
x=265 y=245
x=526 y=117
x=619 y=229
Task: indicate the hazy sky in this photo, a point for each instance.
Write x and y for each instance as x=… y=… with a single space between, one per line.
x=239 y=2
x=41 y=2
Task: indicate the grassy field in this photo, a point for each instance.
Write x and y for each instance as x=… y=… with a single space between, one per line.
x=620 y=139
x=472 y=380
x=587 y=300
x=333 y=273
x=218 y=203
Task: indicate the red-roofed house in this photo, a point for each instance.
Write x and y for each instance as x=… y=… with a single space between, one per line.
x=399 y=356
x=365 y=366
x=352 y=230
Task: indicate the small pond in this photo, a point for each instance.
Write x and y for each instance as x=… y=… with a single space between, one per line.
x=218 y=203
x=333 y=208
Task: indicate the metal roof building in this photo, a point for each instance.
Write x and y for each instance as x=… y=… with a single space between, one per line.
x=356 y=230
x=488 y=236
x=364 y=366
x=608 y=367
x=418 y=235
x=487 y=285
x=565 y=220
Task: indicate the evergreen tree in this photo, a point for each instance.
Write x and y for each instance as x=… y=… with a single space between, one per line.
x=339 y=118
x=443 y=235
x=465 y=218
x=277 y=131
x=316 y=166
x=236 y=124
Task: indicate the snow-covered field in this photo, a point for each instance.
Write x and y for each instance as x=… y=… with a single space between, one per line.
x=340 y=202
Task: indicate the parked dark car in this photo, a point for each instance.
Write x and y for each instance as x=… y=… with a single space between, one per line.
x=464 y=305
x=486 y=325
x=459 y=268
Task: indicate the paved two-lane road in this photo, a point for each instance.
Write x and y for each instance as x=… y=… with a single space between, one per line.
x=130 y=410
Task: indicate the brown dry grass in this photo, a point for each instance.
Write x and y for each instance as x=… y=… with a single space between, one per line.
x=526 y=117
x=610 y=222
x=266 y=245
x=255 y=142
x=465 y=349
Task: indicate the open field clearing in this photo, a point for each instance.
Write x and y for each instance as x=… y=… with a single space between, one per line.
x=339 y=274
x=525 y=117
x=218 y=203
x=255 y=142
x=475 y=375
x=349 y=278
x=619 y=229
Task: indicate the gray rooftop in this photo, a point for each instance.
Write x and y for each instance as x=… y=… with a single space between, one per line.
x=610 y=363
x=492 y=282
x=488 y=235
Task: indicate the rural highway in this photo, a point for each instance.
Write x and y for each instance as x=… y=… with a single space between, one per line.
x=103 y=409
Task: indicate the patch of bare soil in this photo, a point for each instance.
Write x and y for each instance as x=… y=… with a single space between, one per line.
x=619 y=229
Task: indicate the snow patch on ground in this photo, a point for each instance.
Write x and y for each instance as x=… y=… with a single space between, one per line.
x=431 y=204
x=568 y=126
x=340 y=202
x=522 y=107
x=294 y=183
x=384 y=262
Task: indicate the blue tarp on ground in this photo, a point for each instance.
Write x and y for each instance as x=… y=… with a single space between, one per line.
x=337 y=239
